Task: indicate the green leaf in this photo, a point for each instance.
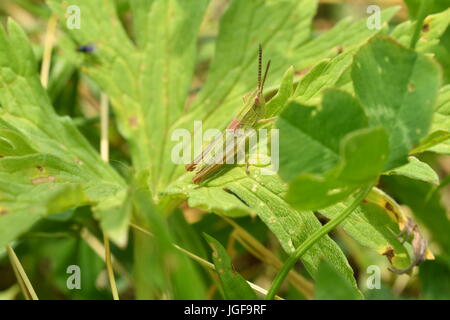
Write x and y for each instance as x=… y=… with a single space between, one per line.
x=229 y=77
x=435 y=279
x=220 y=201
x=47 y=166
x=409 y=82
x=416 y=169
x=263 y=194
x=212 y=197
x=114 y=214
x=327 y=153
x=173 y=274
x=436 y=141
x=330 y=285
x=345 y=35
x=373 y=228
x=22 y=205
x=324 y=75
x=360 y=164
x=145 y=83
x=141 y=20
x=301 y=141
x=233 y=71
x=284 y=92
x=441 y=124
x=233 y=285
x=232 y=74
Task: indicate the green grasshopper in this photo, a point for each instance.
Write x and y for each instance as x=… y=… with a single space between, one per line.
x=251 y=113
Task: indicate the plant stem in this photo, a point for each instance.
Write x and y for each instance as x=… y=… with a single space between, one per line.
x=311 y=240
x=419 y=25
x=255 y=248
x=104 y=124
x=104 y=153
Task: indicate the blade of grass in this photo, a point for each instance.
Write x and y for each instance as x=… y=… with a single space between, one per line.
x=97 y=246
x=22 y=278
x=109 y=268
x=260 y=252
x=202 y=261
x=319 y=233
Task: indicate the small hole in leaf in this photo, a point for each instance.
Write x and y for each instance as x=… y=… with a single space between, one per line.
x=426 y=27
x=411 y=87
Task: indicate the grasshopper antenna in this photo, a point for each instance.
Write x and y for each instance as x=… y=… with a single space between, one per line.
x=259 y=67
x=265 y=76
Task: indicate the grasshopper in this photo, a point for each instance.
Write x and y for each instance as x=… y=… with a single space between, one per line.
x=251 y=113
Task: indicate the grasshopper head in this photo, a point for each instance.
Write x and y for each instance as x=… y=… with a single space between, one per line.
x=259 y=101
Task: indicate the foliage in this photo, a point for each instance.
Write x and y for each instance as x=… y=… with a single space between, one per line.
x=354 y=106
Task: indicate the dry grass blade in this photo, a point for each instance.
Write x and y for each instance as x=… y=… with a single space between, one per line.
x=204 y=262
x=48 y=47
x=22 y=278
x=255 y=248
x=104 y=152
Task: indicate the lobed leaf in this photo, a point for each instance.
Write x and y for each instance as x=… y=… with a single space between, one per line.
x=350 y=154
x=409 y=82
x=47 y=166
x=438 y=140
